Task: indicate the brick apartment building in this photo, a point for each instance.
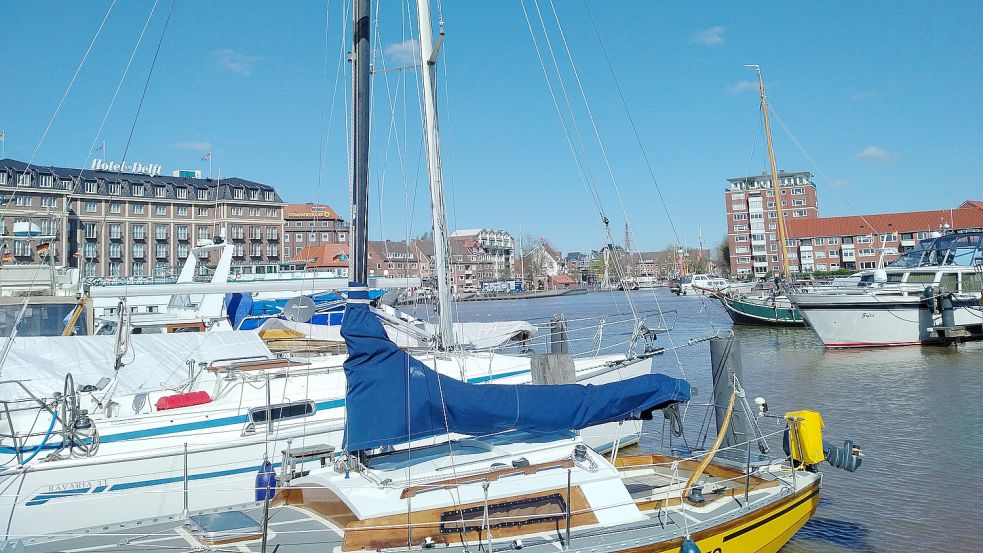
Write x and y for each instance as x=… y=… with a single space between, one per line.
x=752 y=218
x=308 y=225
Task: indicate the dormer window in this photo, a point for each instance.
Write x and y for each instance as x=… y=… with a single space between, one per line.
x=182 y=193
x=115 y=188
x=269 y=195
x=254 y=194
x=90 y=187
x=160 y=191
x=238 y=193
x=137 y=189
x=23 y=179
x=47 y=181
x=202 y=193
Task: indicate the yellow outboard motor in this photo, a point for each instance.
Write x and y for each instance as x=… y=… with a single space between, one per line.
x=804 y=443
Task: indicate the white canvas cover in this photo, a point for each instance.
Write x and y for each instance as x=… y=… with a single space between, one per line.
x=152 y=362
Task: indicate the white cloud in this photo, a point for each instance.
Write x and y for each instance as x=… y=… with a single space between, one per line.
x=876 y=154
x=862 y=95
x=713 y=36
x=402 y=53
x=739 y=87
x=199 y=146
x=229 y=60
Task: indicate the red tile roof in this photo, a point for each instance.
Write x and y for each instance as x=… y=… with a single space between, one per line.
x=324 y=255
x=914 y=221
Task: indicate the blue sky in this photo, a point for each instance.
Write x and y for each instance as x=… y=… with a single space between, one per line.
x=884 y=98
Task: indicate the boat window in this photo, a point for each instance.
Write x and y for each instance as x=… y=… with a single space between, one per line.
x=921 y=278
x=509 y=514
x=894 y=277
x=948 y=281
x=972 y=282
x=282 y=411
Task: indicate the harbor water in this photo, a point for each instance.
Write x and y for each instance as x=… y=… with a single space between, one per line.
x=914 y=411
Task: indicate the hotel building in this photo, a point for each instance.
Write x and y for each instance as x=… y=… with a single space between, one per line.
x=114 y=223
x=752 y=219
x=309 y=226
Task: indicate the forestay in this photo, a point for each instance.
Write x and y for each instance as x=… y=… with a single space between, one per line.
x=393 y=397
x=152 y=362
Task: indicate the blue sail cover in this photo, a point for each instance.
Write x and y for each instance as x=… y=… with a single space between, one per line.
x=393 y=398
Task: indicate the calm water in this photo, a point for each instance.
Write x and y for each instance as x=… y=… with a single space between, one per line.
x=915 y=411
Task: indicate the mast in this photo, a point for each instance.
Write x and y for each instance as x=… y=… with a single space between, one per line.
x=359 y=58
x=774 y=177
x=428 y=62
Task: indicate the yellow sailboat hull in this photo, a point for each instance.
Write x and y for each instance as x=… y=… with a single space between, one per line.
x=763 y=531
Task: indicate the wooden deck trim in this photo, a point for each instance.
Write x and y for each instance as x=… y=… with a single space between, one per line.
x=484 y=477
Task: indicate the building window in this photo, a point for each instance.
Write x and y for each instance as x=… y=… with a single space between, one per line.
x=237 y=193
x=182 y=251
x=115 y=250
x=299 y=237
x=115 y=207
x=325 y=236
x=254 y=212
x=138 y=250
x=182 y=232
x=139 y=232
x=237 y=232
x=202 y=193
x=138 y=267
x=24 y=201
x=796 y=191
x=115 y=189
x=137 y=209
x=866 y=252
x=181 y=192
x=115 y=231
x=160 y=232
x=49 y=201
x=312 y=237
x=273 y=233
x=341 y=236
x=89 y=229
x=740 y=216
x=90 y=207
x=136 y=190
x=236 y=210
x=741 y=238
x=160 y=250
x=47 y=181
x=203 y=233
x=160 y=209
x=203 y=212
x=286 y=237
x=160 y=191
x=863 y=239
x=182 y=211
x=23 y=179
x=254 y=195
x=269 y=195
x=271 y=212
x=114 y=268
x=799 y=213
x=798 y=202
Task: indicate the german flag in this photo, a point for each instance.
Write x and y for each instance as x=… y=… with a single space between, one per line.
x=42 y=249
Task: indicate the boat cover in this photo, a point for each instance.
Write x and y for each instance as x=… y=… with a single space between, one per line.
x=474 y=335
x=152 y=362
x=392 y=397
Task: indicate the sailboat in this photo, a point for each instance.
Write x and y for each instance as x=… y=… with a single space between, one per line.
x=772 y=307
x=186 y=418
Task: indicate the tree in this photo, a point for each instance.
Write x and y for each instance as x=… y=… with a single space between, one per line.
x=724 y=250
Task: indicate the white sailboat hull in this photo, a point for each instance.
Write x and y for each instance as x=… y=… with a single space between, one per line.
x=143 y=474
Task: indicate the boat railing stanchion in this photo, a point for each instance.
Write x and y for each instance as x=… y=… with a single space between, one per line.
x=566 y=542
x=747 y=473
x=186 y=512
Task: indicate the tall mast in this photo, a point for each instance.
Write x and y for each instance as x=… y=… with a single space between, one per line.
x=428 y=62
x=774 y=177
x=360 y=142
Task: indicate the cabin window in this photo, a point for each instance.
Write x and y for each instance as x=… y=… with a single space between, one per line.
x=948 y=281
x=921 y=278
x=282 y=411
x=972 y=282
x=510 y=514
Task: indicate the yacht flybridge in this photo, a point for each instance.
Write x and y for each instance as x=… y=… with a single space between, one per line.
x=930 y=295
